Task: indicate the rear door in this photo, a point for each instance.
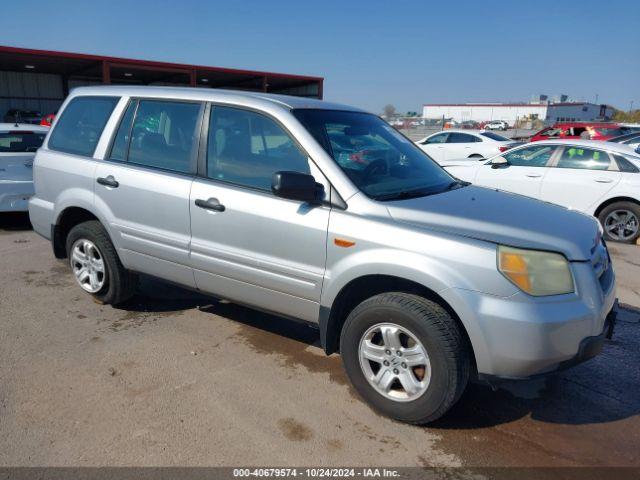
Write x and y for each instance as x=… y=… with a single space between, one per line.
x=523 y=173
x=460 y=145
x=144 y=186
x=579 y=177
x=247 y=244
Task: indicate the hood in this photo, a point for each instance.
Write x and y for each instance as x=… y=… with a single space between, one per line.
x=504 y=218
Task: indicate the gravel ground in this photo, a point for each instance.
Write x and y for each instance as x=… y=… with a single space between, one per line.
x=175 y=378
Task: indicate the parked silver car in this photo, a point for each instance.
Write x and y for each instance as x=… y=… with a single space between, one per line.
x=18 y=145
x=418 y=280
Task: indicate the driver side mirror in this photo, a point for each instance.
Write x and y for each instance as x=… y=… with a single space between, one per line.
x=296 y=186
x=500 y=162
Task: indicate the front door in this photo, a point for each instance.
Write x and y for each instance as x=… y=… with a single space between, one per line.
x=247 y=244
x=523 y=173
x=579 y=178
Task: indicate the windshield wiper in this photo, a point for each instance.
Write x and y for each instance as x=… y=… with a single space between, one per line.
x=405 y=194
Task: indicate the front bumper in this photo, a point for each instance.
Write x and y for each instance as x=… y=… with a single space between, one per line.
x=521 y=336
x=588 y=348
x=14 y=195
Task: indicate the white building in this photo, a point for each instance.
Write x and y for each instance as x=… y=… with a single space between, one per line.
x=548 y=112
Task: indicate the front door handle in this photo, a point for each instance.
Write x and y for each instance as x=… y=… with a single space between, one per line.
x=210 y=204
x=604 y=180
x=534 y=175
x=108 y=181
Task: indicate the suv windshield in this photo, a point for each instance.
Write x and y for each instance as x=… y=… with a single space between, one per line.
x=380 y=161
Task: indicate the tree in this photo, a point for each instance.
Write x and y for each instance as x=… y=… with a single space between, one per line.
x=627 y=117
x=389 y=111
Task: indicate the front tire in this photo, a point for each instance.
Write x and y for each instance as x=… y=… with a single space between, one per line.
x=621 y=222
x=96 y=265
x=406 y=356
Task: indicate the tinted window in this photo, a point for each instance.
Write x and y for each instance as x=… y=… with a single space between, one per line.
x=625 y=165
x=247 y=148
x=455 y=137
x=612 y=131
x=164 y=135
x=439 y=138
x=120 y=146
x=395 y=168
x=80 y=126
x=577 y=157
x=21 y=141
x=534 y=156
x=495 y=136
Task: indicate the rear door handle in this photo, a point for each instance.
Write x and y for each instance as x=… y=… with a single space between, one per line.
x=534 y=175
x=108 y=181
x=210 y=204
x=604 y=180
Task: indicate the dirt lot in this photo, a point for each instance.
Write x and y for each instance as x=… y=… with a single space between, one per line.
x=179 y=379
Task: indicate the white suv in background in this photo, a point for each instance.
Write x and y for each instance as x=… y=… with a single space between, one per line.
x=598 y=178
x=457 y=144
x=496 y=125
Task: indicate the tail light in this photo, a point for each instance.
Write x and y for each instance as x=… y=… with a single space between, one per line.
x=504 y=148
x=47 y=120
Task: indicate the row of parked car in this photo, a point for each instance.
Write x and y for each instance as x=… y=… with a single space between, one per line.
x=599 y=176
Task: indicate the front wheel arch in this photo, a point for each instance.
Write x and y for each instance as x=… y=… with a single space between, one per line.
x=358 y=290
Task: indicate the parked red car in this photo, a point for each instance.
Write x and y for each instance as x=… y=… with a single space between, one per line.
x=584 y=130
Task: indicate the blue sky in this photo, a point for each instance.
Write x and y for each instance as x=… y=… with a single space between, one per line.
x=370 y=52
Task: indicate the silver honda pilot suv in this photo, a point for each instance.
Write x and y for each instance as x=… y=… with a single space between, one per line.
x=326 y=214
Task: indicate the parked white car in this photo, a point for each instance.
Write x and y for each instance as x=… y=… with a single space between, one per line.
x=457 y=144
x=496 y=125
x=18 y=145
x=598 y=178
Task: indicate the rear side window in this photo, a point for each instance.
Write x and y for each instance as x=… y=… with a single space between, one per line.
x=163 y=135
x=584 y=158
x=461 y=138
x=495 y=136
x=81 y=124
x=625 y=165
x=120 y=147
x=21 y=141
x=439 y=138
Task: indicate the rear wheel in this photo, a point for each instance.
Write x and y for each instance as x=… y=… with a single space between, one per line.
x=405 y=356
x=96 y=266
x=621 y=222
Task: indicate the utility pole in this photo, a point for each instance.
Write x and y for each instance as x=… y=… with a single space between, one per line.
x=631 y=106
x=596 y=98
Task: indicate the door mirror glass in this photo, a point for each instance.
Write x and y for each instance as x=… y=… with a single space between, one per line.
x=296 y=186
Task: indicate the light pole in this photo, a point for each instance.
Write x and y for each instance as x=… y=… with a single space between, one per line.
x=631 y=106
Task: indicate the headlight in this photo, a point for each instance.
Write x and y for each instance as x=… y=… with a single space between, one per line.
x=535 y=272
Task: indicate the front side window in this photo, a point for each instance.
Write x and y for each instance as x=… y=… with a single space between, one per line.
x=81 y=124
x=534 y=156
x=584 y=158
x=21 y=141
x=247 y=148
x=164 y=135
x=380 y=161
x=439 y=138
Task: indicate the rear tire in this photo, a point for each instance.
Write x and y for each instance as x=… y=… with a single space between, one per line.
x=621 y=222
x=435 y=384
x=115 y=284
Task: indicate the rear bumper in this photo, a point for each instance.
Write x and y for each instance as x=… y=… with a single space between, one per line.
x=14 y=195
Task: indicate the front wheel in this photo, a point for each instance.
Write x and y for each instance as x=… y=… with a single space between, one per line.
x=406 y=356
x=96 y=266
x=621 y=222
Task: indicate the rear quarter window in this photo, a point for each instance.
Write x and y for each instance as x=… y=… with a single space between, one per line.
x=79 y=127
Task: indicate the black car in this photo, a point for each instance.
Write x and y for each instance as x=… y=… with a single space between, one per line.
x=15 y=115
